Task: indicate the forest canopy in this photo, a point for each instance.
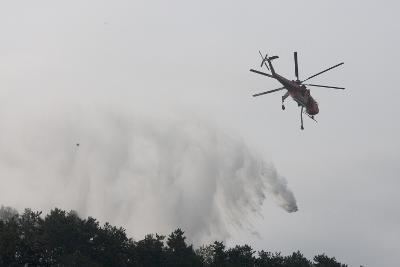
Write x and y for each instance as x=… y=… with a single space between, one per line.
x=62 y=238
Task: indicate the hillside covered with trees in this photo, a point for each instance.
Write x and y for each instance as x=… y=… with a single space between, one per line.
x=63 y=239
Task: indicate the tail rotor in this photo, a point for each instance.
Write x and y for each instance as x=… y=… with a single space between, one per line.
x=263 y=63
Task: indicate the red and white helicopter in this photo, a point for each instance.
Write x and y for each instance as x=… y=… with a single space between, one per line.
x=295 y=88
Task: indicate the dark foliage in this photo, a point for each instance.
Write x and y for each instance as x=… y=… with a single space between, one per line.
x=324 y=261
x=63 y=239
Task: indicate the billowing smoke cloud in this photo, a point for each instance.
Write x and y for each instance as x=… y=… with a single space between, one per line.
x=144 y=172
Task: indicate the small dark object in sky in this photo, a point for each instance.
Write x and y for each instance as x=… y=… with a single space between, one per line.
x=77 y=144
x=295 y=88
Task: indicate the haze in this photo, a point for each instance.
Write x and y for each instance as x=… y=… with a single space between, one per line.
x=81 y=72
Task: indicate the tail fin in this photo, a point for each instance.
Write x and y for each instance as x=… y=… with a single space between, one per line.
x=270 y=64
x=268 y=59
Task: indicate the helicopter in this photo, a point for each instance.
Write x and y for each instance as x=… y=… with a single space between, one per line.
x=295 y=88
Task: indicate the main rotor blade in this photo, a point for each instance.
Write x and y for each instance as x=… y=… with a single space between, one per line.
x=310 y=116
x=296 y=67
x=262 y=73
x=326 y=86
x=270 y=91
x=323 y=71
x=263 y=60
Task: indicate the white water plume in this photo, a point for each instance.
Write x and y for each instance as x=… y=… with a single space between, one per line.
x=145 y=173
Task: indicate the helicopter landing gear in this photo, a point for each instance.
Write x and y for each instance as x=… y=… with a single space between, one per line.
x=283 y=99
x=301 y=118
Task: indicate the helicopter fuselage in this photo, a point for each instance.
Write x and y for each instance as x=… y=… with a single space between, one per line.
x=299 y=93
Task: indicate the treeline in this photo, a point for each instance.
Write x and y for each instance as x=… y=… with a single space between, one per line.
x=63 y=239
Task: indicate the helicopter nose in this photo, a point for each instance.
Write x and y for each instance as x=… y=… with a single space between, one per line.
x=313 y=110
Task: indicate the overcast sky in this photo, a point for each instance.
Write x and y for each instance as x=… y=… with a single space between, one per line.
x=195 y=57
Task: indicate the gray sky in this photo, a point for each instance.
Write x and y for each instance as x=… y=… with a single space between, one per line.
x=194 y=57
